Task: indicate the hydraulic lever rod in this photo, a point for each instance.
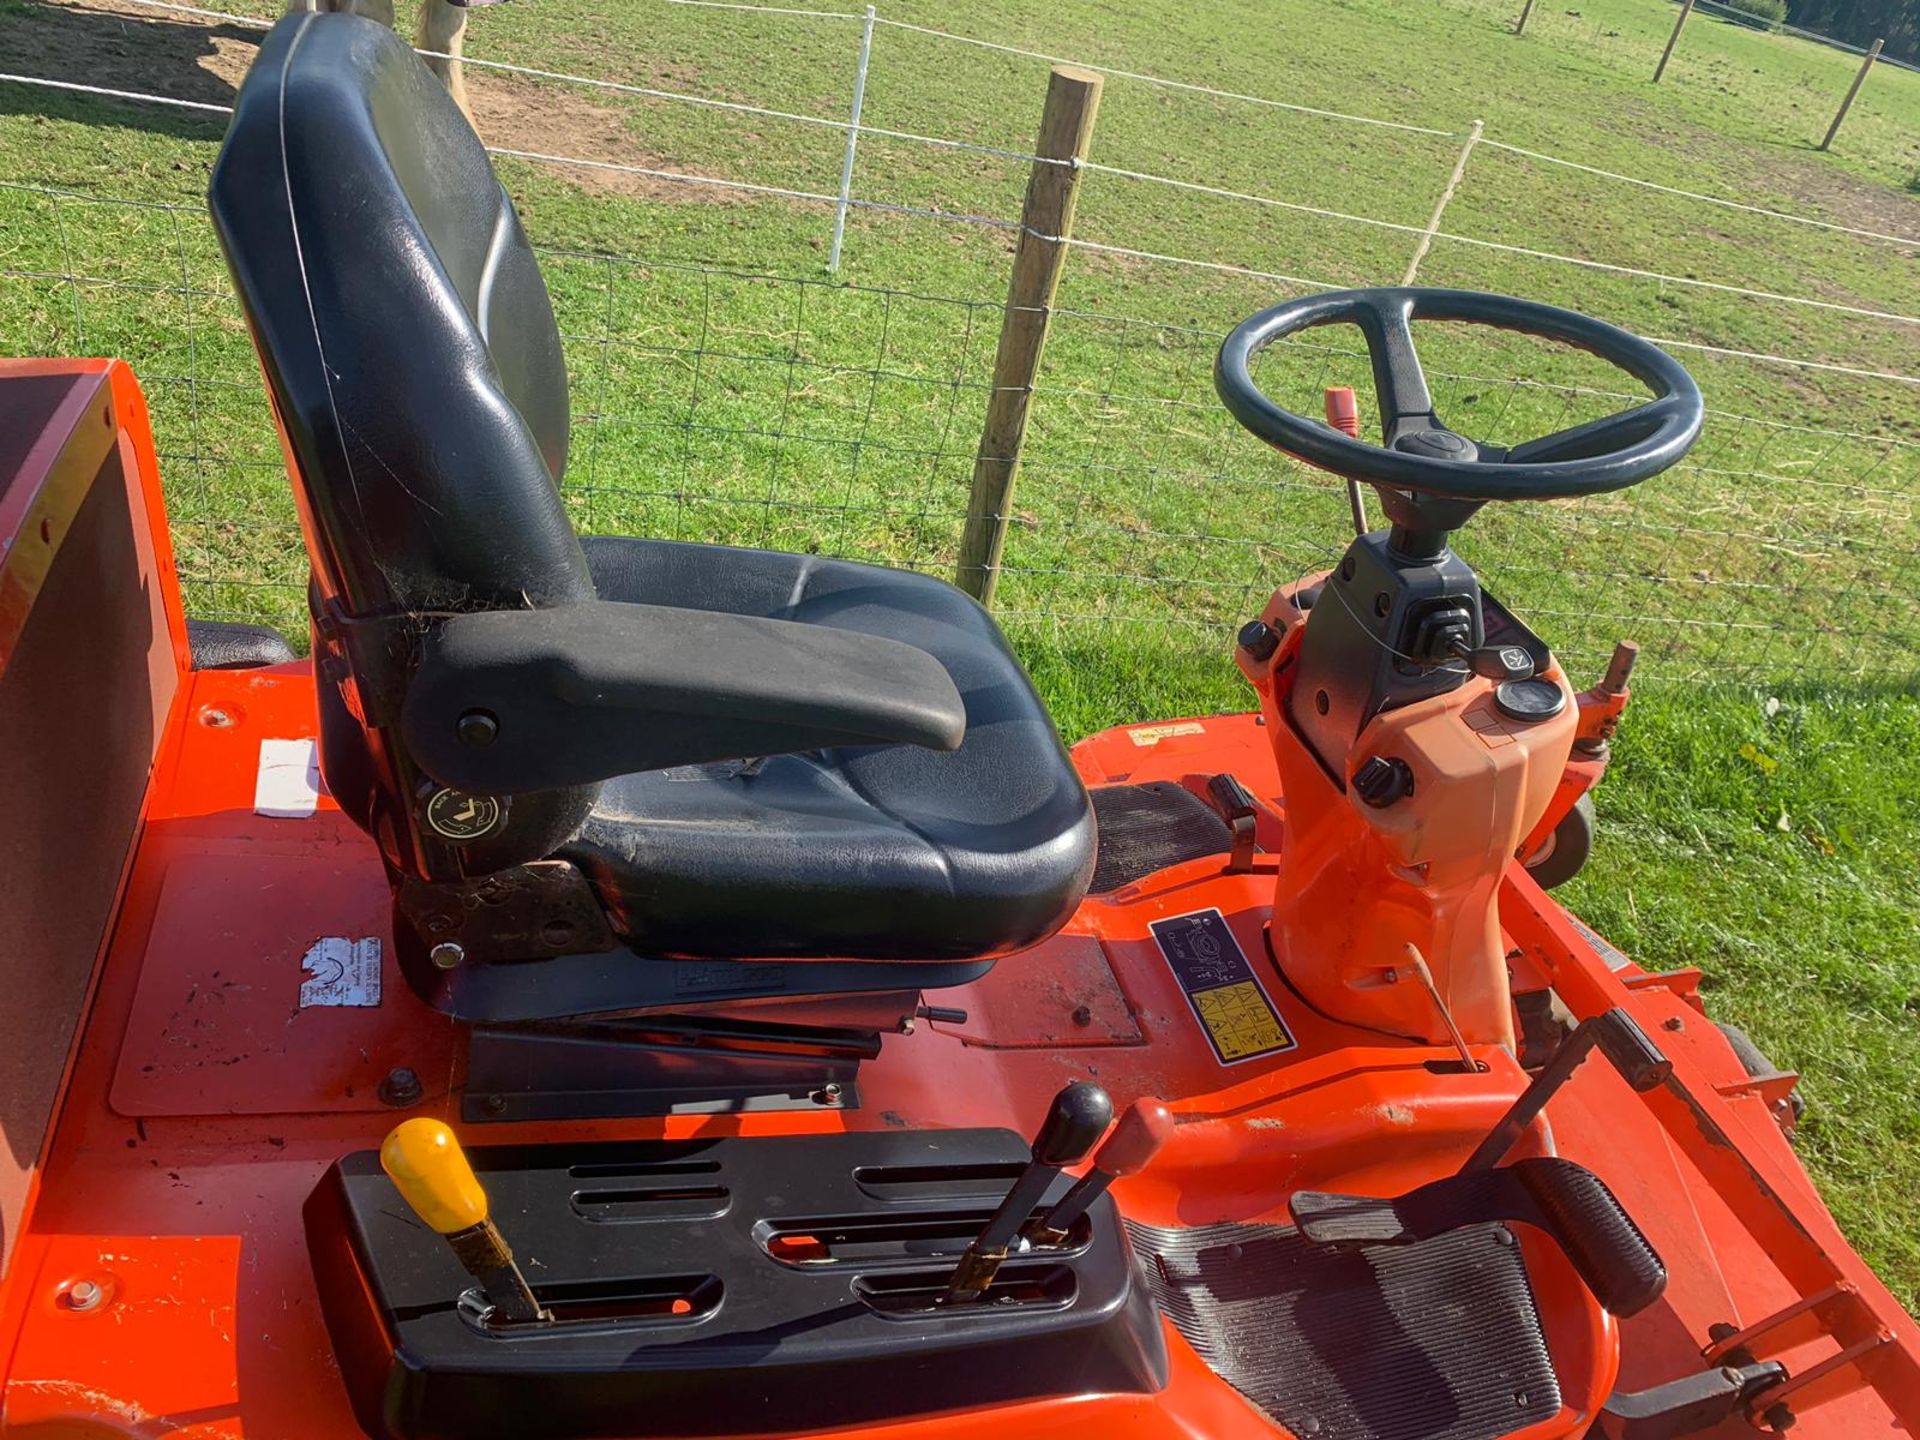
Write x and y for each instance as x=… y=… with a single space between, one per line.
x=1078 y=1118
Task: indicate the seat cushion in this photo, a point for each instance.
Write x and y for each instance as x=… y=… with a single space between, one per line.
x=880 y=852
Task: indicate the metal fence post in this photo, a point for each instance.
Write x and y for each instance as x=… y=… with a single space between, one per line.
x=1679 y=24
x=853 y=142
x=1520 y=25
x=1046 y=222
x=1873 y=54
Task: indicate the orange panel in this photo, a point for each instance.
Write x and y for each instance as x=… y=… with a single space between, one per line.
x=136 y=1357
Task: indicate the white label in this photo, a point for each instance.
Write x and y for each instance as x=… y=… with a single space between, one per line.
x=340 y=971
x=1154 y=734
x=287 y=786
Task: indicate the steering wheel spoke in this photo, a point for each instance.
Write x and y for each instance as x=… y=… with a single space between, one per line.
x=1598 y=437
x=1399 y=383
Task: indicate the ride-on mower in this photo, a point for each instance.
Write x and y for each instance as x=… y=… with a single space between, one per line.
x=621 y=988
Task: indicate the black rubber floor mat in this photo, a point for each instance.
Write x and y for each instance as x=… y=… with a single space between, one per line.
x=1144 y=828
x=1438 y=1340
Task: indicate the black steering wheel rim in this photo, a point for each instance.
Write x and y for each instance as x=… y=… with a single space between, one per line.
x=1589 y=459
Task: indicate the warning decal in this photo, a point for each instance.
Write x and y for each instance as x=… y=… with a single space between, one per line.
x=1227 y=998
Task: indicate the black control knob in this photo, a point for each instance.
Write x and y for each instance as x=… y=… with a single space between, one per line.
x=1258 y=639
x=1079 y=1116
x=1380 y=782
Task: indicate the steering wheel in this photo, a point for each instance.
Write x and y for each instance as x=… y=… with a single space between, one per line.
x=1420 y=454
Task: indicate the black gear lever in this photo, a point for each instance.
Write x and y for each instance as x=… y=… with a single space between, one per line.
x=1079 y=1116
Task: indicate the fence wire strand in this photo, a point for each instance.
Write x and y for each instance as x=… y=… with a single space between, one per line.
x=755 y=406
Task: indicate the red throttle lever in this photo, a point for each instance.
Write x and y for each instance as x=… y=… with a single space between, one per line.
x=1343 y=411
x=1134 y=1142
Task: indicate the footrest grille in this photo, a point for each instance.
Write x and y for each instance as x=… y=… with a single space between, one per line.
x=1437 y=1340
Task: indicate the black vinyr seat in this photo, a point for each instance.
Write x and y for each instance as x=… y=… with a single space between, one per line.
x=643 y=753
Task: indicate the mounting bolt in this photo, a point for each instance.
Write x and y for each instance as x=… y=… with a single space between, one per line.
x=494 y=1104
x=829 y=1094
x=400 y=1088
x=446 y=955
x=84 y=1295
x=477 y=729
x=1082 y=1016
x=1673 y=1022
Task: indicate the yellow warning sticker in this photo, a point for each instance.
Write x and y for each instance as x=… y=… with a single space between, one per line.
x=1154 y=734
x=1240 y=1022
x=1233 y=1009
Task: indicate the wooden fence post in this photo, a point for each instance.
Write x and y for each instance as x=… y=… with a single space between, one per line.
x=1046 y=221
x=1873 y=54
x=1679 y=24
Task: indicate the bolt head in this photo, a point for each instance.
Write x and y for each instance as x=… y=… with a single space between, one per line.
x=85 y=1295
x=477 y=728
x=446 y=955
x=400 y=1088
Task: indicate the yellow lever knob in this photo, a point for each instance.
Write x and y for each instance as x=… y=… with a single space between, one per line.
x=431 y=1171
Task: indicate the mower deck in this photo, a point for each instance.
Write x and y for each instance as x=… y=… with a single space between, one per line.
x=208 y=1100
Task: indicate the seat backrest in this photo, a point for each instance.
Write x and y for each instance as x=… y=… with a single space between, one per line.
x=416 y=372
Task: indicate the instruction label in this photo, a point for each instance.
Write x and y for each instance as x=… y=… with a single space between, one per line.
x=339 y=971
x=1228 y=1000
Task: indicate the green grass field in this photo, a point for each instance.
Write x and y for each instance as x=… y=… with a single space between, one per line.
x=720 y=398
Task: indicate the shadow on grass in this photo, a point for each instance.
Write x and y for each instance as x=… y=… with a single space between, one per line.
x=191 y=61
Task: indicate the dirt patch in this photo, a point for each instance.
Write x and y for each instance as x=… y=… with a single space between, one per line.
x=1841 y=198
x=516 y=114
x=124 y=46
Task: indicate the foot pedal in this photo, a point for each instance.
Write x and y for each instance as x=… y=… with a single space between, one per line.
x=1565 y=1200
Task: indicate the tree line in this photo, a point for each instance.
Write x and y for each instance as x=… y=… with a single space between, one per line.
x=1861 y=22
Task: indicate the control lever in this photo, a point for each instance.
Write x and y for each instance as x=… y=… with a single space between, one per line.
x=1234 y=803
x=1077 y=1119
x=1135 y=1141
x=428 y=1167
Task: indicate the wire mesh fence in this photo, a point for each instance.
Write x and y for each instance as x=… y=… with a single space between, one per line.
x=758 y=404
